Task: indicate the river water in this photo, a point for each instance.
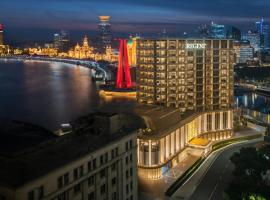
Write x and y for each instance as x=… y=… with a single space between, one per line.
x=44 y=93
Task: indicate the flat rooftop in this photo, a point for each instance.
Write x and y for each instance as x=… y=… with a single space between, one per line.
x=56 y=152
x=18 y=137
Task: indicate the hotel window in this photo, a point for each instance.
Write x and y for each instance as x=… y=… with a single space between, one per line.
x=102 y=173
x=113 y=167
x=91 y=196
x=66 y=179
x=216 y=44
x=112 y=154
x=113 y=181
x=94 y=163
x=77 y=188
x=62 y=196
x=102 y=189
x=101 y=161
x=190 y=53
x=127 y=189
x=217 y=121
x=126 y=160
x=131 y=186
x=225 y=120
x=209 y=122
x=75 y=173
x=60 y=182
x=127 y=174
x=90 y=181
x=224 y=44
x=81 y=170
x=131 y=171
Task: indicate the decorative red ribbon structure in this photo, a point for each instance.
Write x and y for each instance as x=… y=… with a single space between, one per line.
x=123 y=73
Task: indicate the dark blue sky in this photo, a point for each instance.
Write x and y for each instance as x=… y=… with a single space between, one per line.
x=144 y=16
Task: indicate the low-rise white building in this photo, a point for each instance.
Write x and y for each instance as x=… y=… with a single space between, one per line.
x=95 y=162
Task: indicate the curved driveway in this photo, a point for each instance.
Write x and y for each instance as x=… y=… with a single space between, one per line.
x=209 y=182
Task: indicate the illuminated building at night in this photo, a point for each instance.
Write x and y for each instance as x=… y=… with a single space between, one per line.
x=82 y=52
x=105 y=30
x=254 y=38
x=217 y=31
x=87 y=52
x=51 y=52
x=262 y=28
x=189 y=85
x=132 y=49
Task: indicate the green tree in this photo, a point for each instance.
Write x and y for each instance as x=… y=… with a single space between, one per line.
x=249 y=167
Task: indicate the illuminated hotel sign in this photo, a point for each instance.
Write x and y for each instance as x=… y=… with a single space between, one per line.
x=195 y=46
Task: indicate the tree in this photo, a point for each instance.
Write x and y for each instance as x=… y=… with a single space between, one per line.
x=250 y=166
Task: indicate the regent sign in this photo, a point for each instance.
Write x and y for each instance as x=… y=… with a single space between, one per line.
x=195 y=46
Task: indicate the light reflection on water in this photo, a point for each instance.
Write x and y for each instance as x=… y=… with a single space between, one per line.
x=253 y=101
x=44 y=93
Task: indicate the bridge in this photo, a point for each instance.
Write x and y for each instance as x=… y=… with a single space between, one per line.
x=94 y=66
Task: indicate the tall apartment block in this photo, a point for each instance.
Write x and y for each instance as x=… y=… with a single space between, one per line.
x=92 y=163
x=193 y=78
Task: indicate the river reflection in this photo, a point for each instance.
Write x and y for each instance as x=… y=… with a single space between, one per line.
x=44 y=93
x=253 y=101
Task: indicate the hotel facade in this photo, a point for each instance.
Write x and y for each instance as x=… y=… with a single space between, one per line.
x=192 y=76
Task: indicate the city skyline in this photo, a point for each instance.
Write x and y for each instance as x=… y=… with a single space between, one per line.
x=34 y=18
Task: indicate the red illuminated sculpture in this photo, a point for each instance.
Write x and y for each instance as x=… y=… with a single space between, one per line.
x=123 y=73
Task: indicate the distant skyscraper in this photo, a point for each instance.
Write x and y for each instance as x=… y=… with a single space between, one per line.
x=64 y=41
x=105 y=30
x=217 y=31
x=254 y=38
x=204 y=31
x=56 y=40
x=233 y=33
x=246 y=52
x=1 y=34
x=263 y=29
x=61 y=41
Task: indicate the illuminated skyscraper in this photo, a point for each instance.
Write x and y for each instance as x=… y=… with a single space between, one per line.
x=233 y=33
x=263 y=29
x=105 y=30
x=254 y=38
x=1 y=34
x=56 y=40
x=217 y=31
x=61 y=41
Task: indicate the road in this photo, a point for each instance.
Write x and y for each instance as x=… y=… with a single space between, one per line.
x=218 y=176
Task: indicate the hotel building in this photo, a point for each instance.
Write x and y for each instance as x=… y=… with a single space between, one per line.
x=190 y=81
x=95 y=163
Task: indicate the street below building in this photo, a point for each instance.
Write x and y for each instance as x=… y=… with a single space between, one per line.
x=212 y=178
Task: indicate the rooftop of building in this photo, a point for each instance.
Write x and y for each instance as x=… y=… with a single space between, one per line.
x=182 y=38
x=19 y=137
x=159 y=121
x=53 y=152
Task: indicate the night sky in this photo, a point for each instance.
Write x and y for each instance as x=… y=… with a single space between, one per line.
x=36 y=18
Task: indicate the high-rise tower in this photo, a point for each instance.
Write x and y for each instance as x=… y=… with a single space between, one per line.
x=105 y=30
x=1 y=34
x=263 y=29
